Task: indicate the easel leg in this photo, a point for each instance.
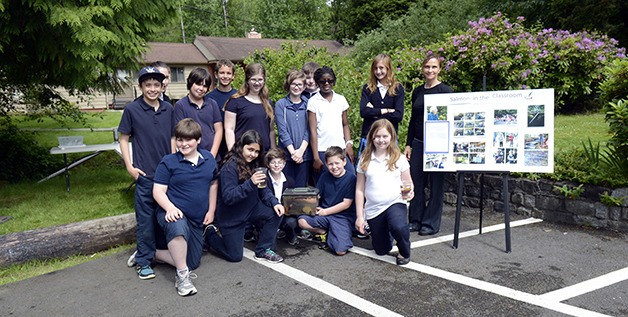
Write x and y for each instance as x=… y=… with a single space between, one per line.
x=481 y=200
x=458 y=207
x=506 y=210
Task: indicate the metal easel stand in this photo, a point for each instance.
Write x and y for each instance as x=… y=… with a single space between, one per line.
x=505 y=195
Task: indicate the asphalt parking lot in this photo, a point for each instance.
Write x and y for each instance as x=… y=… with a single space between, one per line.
x=553 y=270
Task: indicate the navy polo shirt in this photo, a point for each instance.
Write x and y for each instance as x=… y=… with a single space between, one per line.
x=250 y=116
x=221 y=98
x=151 y=132
x=188 y=184
x=334 y=190
x=207 y=115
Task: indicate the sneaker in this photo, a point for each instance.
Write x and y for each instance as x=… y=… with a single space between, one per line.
x=322 y=238
x=131 y=261
x=270 y=256
x=281 y=234
x=145 y=272
x=184 y=284
x=249 y=237
x=366 y=234
x=293 y=241
x=211 y=227
x=304 y=234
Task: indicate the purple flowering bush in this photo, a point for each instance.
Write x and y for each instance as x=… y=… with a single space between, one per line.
x=513 y=57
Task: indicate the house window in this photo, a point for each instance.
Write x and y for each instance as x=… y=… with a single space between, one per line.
x=176 y=75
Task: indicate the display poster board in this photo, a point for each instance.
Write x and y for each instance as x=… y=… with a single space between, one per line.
x=510 y=130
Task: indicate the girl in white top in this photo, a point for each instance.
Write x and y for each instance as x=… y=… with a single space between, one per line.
x=382 y=174
x=328 y=121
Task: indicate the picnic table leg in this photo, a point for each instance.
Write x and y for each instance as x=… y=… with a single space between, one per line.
x=67 y=172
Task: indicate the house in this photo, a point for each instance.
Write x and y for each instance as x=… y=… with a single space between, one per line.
x=205 y=51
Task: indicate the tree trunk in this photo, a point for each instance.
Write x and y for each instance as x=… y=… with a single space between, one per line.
x=62 y=241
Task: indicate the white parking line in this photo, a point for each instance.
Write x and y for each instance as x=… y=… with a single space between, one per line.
x=325 y=287
x=485 y=286
x=474 y=232
x=593 y=284
x=551 y=300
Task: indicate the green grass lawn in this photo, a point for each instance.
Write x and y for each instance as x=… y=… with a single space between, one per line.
x=571 y=130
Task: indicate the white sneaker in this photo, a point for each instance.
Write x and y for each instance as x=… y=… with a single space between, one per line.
x=184 y=284
x=131 y=261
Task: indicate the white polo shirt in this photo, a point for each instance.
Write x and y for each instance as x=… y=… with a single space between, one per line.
x=328 y=119
x=383 y=187
x=278 y=185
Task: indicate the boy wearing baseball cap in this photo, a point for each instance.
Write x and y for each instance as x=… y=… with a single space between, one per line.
x=150 y=122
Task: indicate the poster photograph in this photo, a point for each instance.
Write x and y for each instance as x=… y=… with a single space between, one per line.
x=511 y=130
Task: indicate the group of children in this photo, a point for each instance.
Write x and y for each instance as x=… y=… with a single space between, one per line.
x=198 y=182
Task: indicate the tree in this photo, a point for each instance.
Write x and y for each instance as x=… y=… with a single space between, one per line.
x=73 y=44
x=285 y=19
x=350 y=17
x=426 y=21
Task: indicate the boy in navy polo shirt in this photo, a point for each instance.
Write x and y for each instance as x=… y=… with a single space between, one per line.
x=150 y=122
x=335 y=216
x=203 y=110
x=186 y=201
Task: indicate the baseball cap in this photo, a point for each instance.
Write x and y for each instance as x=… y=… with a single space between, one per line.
x=150 y=72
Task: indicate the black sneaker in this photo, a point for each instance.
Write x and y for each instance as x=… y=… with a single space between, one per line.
x=366 y=234
x=249 y=237
x=281 y=234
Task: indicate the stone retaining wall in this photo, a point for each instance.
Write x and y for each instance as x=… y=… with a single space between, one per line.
x=538 y=198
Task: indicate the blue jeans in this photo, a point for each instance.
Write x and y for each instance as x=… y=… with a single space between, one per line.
x=145 y=210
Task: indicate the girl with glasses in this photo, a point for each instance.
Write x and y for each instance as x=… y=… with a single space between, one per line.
x=250 y=109
x=294 y=137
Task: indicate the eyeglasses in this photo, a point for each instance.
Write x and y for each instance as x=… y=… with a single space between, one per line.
x=277 y=163
x=295 y=85
x=326 y=81
x=256 y=81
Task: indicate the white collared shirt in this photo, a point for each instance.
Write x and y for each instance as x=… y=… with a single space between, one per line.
x=382 y=188
x=382 y=89
x=278 y=185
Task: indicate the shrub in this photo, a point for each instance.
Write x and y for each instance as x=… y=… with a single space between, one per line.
x=615 y=84
x=512 y=57
x=33 y=159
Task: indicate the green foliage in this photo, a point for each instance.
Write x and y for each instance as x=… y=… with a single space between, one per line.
x=23 y=158
x=617 y=118
x=570 y=192
x=609 y=200
x=274 y=19
x=350 y=17
x=604 y=16
x=429 y=20
x=72 y=44
x=592 y=153
x=512 y=57
x=615 y=84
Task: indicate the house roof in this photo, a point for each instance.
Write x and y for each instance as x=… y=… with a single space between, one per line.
x=238 y=48
x=173 y=53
